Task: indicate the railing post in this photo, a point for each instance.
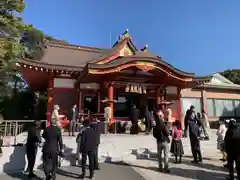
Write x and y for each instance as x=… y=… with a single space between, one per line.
x=10 y=129
x=15 y=132
x=5 y=129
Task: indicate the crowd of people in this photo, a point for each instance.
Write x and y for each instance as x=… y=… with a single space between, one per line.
x=87 y=140
x=168 y=135
x=228 y=138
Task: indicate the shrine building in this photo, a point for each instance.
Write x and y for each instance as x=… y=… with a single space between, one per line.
x=86 y=76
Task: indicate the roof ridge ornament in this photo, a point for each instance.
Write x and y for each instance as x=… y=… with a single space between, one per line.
x=124 y=35
x=145 y=49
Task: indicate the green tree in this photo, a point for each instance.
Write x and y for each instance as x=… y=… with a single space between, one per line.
x=33 y=41
x=233 y=75
x=11 y=26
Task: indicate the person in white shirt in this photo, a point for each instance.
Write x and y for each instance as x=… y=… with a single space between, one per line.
x=107 y=116
x=56 y=116
x=205 y=125
x=221 y=132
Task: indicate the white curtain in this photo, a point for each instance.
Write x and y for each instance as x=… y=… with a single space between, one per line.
x=229 y=109
x=224 y=107
x=210 y=107
x=237 y=107
x=219 y=107
x=187 y=102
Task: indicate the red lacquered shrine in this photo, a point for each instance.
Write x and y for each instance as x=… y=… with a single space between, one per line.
x=85 y=75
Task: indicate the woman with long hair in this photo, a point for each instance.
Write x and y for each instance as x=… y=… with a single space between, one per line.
x=176 y=146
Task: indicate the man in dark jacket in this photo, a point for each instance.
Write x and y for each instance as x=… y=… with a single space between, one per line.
x=88 y=148
x=161 y=133
x=36 y=106
x=148 y=120
x=230 y=148
x=96 y=127
x=134 y=115
x=52 y=147
x=194 y=134
x=186 y=119
x=33 y=140
x=72 y=117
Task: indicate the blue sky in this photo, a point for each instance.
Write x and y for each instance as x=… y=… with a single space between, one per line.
x=201 y=36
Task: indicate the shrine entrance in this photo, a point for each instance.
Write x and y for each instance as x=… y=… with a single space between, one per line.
x=90 y=103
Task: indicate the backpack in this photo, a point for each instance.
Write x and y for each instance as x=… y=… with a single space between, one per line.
x=157 y=134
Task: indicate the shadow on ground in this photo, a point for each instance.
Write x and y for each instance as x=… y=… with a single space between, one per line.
x=180 y=172
x=148 y=155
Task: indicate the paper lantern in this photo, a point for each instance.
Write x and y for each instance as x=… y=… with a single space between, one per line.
x=127 y=88
x=139 y=89
x=144 y=90
x=135 y=89
x=131 y=88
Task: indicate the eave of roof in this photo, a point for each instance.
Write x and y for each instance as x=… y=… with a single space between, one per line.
x=235 y=87
x=133 y=58
x=70 y=46
x=42 y=66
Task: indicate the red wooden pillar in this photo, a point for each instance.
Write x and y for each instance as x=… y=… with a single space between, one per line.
x=78 y=100
x=50 y=97
x=179 y=106
x=158 y=96
x=98 y=101
x=110 y=97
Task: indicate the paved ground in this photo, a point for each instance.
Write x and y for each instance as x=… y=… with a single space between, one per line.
x=108 y=171
x=142 y=161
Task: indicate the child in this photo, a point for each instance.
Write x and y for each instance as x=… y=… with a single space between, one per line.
x=220 y=139
x=176 y=146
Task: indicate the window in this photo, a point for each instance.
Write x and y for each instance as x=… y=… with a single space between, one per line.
x=187 y=102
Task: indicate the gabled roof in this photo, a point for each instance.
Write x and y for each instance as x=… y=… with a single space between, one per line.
x=218 y=78
x=124 y=42
x=127 y=36
x=220 y=82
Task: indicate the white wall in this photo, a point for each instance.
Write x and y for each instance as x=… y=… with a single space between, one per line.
x=63 y=83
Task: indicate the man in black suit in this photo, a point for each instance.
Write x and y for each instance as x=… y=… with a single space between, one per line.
x=36 y=106
x=72 y=117
x=134 y=115
x=194 y=134
x=148 y=120
x=88 y=148
x=187 y=118
x=33 y=140
x=96 y=127
x=52 y=147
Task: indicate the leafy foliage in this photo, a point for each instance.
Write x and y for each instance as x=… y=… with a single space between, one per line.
x=33 y=41
x=21 y=106
x=11 y=26
x=233 y=75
